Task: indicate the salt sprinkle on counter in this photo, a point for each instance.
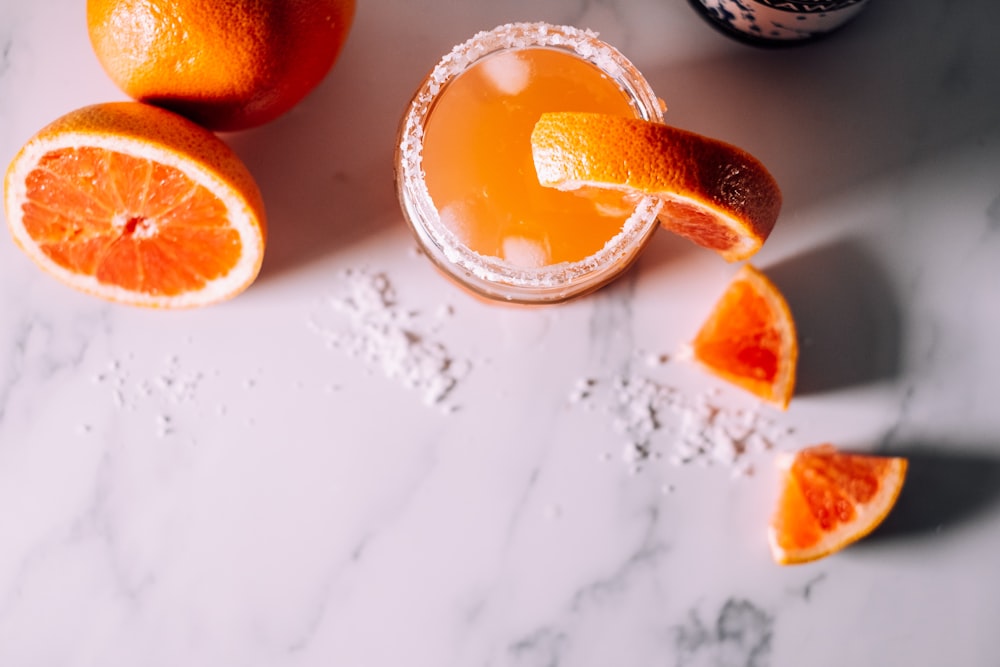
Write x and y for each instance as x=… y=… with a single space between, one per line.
x=658 y=421
x=395 y=340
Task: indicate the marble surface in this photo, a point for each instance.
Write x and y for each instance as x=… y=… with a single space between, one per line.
x=256 y=483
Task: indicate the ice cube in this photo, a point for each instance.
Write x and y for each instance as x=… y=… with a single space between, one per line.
x=524 y=252
x=507 y=72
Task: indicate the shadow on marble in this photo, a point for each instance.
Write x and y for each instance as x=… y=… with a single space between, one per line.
x=821 y=116
x=944 y=487
x=326 y=168
x=848 y=318
x=897 y=87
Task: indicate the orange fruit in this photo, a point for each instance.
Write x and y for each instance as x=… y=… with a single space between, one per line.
x=830 y=499
x=715 y=194
x=749 y=338
x=226 y=65
x=136 y=204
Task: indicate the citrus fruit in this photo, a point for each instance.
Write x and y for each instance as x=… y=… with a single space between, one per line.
x=714 y=194
x=830 y=499
x=136 y=204
x=749 y=338
x=226 y=65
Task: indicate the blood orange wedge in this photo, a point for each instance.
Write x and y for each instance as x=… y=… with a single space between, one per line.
x=137 y=205
x=749 y=338
x=715 y=194
x=830 y=499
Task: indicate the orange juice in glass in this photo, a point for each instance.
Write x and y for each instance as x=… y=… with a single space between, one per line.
x=467 y=182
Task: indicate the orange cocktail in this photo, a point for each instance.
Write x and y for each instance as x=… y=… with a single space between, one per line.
x=466 y=177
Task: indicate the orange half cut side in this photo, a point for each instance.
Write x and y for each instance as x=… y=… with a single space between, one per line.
x=136 y=205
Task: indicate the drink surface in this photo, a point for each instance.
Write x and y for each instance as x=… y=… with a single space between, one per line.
x=478 y=165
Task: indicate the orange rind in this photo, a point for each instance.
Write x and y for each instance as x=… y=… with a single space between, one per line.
x=225 y=65
x=715 y=194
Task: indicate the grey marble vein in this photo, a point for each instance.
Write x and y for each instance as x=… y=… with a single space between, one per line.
x=740 y=635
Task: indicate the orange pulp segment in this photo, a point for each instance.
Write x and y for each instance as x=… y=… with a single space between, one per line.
x=715 y=194
x=137 y=205
x=830 y=499
x=478 y=165
x=749 y=338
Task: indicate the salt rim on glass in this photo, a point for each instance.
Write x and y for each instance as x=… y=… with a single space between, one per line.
x=492 y=277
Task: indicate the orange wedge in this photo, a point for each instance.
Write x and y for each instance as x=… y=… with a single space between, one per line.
x=135 y=204
x=714 y=194
x=749 y=338
x=830 y=499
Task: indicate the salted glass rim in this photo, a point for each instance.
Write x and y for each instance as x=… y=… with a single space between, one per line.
x=492 y=276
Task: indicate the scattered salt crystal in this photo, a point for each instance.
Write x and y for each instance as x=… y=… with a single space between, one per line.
x=392 y=339
x=171 y=386
x=634 y=455
x=655 y=359
x=582 y=389
x=698 y=430
x=164 y=426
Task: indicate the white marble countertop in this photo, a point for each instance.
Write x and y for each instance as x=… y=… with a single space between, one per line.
x=241 y=485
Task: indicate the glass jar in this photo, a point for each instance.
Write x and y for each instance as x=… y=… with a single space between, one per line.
x=490 y=276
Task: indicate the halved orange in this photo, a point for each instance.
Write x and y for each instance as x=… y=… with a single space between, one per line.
x=137 y=205
x=830 y=499
x=749 y=338
x=713 y=193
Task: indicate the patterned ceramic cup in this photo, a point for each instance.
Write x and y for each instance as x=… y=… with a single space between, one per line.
x=778 y=21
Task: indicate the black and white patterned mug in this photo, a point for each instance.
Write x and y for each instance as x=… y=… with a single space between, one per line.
x=774 y=22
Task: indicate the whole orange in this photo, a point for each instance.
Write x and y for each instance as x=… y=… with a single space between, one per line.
x=227 y=65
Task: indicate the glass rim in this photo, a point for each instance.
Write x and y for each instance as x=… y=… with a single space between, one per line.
x=493 y=277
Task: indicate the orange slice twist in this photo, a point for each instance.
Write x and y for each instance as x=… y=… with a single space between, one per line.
x=714 y=194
